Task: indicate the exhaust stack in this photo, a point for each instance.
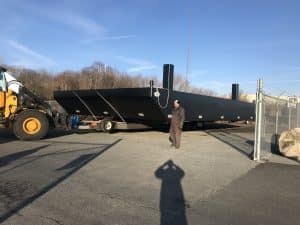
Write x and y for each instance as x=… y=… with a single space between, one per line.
x=168 y=76
x=235 y=92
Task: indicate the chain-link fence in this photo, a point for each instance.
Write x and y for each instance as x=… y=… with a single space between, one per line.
x=273 y=116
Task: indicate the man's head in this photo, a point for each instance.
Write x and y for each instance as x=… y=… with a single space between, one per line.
x=177 y=104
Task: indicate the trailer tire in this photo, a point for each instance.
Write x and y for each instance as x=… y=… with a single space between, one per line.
x=30 y=125
x=107 y=125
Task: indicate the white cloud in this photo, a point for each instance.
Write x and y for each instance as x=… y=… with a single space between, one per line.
x=108 y=38
x=141 y=68
x=137 y=65
x=85 y=26
x=90 y=28
x=79 y=22
x=61 y=13
x=29 y=57
x=133 y=61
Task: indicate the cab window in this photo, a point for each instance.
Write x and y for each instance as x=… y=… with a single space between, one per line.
x=2 y=82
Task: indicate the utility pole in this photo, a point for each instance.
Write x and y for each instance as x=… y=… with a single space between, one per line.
x=188 y=62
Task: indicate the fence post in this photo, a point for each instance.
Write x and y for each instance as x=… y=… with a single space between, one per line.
x=298 y=115
x=290 y=114
x=277 y=115
x=258 y=120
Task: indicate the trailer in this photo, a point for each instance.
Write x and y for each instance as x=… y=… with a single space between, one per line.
x=126 y=108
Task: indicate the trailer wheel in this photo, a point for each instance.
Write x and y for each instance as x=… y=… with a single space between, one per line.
x=30 y=125
x=107 y=125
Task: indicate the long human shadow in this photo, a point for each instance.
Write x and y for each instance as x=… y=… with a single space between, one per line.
x=172 y=202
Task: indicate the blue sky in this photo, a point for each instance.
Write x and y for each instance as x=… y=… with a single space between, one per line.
x=230 y=41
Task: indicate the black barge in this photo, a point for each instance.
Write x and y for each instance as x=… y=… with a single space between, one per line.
x=124 y=108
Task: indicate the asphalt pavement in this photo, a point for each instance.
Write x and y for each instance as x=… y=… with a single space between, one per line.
x=136 y=178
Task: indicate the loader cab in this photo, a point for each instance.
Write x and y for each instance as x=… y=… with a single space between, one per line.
x=8 y=98
x=3 y=89
x=3 y=83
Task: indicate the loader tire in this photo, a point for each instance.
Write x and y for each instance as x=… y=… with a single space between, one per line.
x=30 y=125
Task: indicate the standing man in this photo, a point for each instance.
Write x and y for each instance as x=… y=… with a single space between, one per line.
x=178 y=117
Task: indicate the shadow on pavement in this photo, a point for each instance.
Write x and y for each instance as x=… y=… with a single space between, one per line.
x=275 y=145
x=77 y=162
x=241 y=144
x=54 y=133
x=6 y=135
x=172 y=202
x=68 y=142
x=6 y=160
x=189 y=127
x=27 y=182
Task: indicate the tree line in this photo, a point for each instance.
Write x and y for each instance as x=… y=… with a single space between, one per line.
x=95 y=76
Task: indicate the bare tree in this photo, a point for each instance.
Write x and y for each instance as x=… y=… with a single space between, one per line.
x=96 y=76
x=180 y=84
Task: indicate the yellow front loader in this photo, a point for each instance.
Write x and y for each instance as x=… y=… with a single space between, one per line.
x=23 y=112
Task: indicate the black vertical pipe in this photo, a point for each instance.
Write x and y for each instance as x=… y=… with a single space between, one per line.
x=235 y=92
x=168 y=76
x=151 y=83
